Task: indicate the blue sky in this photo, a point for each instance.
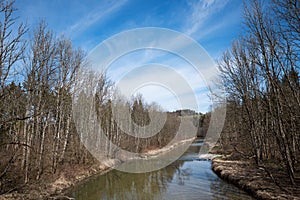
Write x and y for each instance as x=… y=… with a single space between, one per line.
x=212 y=23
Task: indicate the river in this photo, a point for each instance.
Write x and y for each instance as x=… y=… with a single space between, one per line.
x=187 y=178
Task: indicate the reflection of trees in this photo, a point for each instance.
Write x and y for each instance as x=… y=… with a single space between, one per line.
x=156 y=185
x=120 y=185
x=181 y=174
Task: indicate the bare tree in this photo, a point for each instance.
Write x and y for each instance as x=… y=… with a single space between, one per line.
x=262 y=82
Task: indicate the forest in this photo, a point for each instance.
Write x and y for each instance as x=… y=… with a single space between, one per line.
x=261 y=74
x=38 y=73
x=38 y=136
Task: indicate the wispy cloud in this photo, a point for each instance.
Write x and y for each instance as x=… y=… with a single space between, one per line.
x=99 y=13
x=181 y=82
x=201 y=13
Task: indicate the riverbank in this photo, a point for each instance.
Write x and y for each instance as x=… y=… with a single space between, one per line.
x=54 y=186
x=258 y=182
x=157 y=152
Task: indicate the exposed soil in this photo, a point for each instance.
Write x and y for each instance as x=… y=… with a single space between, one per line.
x=260 y=182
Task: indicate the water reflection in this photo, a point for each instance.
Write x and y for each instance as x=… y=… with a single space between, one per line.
x=186 y=178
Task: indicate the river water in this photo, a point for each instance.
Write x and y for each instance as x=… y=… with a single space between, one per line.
x=187 y=178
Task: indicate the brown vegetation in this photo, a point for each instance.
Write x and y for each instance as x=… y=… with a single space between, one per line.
x=258 y=182
x=38 y=137
x=261 y=75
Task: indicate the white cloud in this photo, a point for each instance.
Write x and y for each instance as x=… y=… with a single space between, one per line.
x=101 y=12
x=201 y=12
x=189 y=82
x=178 y=88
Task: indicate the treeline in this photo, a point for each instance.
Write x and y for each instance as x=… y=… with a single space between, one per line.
x=261 y=74
x=38 y=72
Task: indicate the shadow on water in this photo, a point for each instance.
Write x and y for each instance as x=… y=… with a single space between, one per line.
x=186 y=178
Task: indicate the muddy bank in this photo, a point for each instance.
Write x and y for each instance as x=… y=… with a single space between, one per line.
x=256 y=181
